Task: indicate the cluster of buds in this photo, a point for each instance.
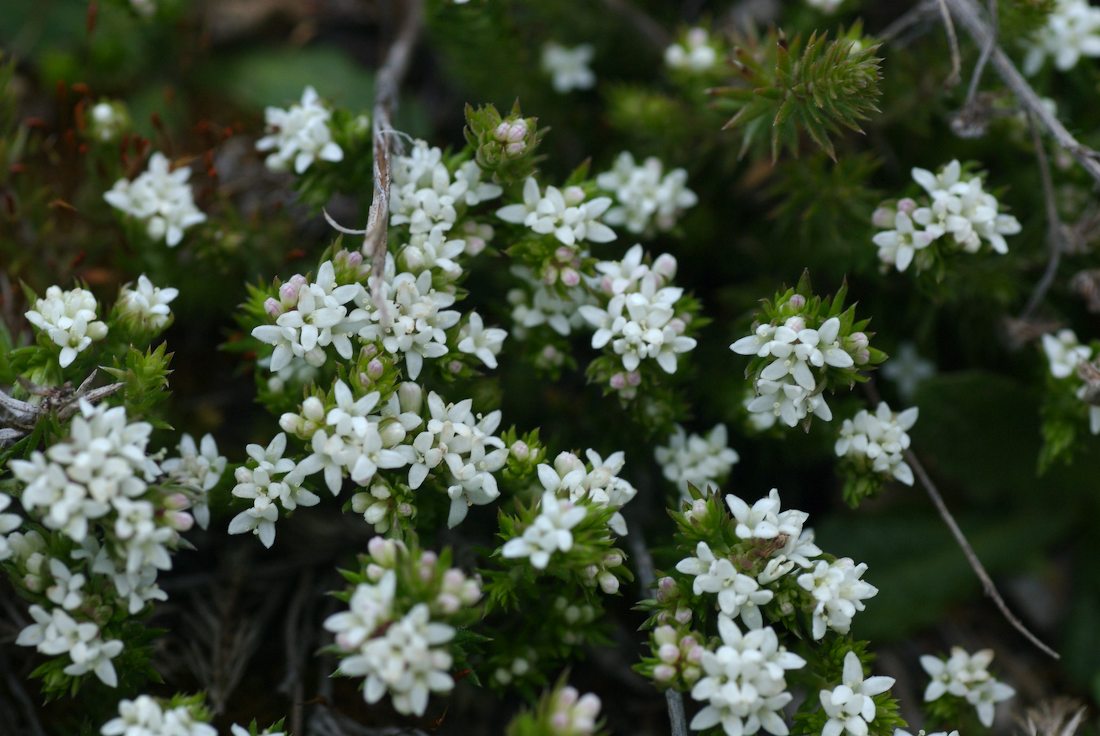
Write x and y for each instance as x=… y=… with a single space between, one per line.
x=564 y=266
x=505 y=145
x=601 y=574
x=678 y=656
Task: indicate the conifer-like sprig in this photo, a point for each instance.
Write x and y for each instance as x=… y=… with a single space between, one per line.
x=816 y=86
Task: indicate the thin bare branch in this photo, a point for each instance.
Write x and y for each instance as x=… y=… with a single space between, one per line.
x=983 y=59
x=966 y=12
x=387 y=84
x=953 y=46
x=1055 y=232
x=643 y=565
x=916 y=15
x=971 y=557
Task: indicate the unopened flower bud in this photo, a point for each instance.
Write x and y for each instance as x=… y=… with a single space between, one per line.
x=392 y=434
x=501 y=131
x=177 y=502
x=273 y=307
x=698 y=509
x=375 y=369
x=665 y=266
x=520 y=450
x=570 y=277
x=515 y=149
x=517 y=131
x=608 y=583
x=618 y=381
x=795 y=323
x=862 y=356
x=797 y=301
x=520 y=666
x=405 y=509
x=883 y=217
x=410 y=396
x=612 y=559
x=633 y=378
x=859 y=339
x=663 y=673
x=573 y=195
x=181 y=521
x=683 y=615
x=668 y=653
x=907 y=205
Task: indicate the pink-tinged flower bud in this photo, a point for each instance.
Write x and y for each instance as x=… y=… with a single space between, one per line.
x=677 y=325
x=375 y=369
x=612 y=559
x=520 y=450
x=570 y=277
x=698 y=509
x=663 y=673
x=375 y=571
x=588 y=706
x=379 y=550
x=448 y=603
x=405 y=509
x=370 y=350
x=668 y=653
x=515 y=149
x=567 y=696
x=695 y=654
x=453 y=579
x=455 y=367
x=549 y=275
x=691 y=674
x=683 y=615
x=795 y=323
x=883 y=218
x=273 y=307
x=517 y=131
x=177 y=502
x=181 y=521
x=862 y=356
x=474 y=245
x=501 y=131
x=608 y=583
x=797 y=301
x=859 y=340
x=591 y=571
x=560 y=722
x=564 y=254
x=666 y=588
x=345 y=642
x=665 y=266
x=573 y=195
x=907 y=205
x=618 y=381
x=634 y=378
x=355 y=259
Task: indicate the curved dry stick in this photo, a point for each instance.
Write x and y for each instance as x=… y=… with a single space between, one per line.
x=387 y=84
x=972 y=558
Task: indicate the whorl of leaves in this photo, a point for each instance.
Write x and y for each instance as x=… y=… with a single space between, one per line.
x=817 y=87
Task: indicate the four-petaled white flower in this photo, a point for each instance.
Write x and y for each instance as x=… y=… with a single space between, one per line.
x=696 y=460
x=738 y=594
x=850 y=705
x=568 y=66
x=474 y=338
x=695 y=54
x=879 y=439
x=838 y=594
x=1064 y=352
x=645 y=197
x=967 y=676
x=68 y=318
x=147 y=305
x=566 y=214
x=548 y=533
x=1071 y=31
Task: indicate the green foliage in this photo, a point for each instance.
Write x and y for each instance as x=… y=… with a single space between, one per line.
x=145 y=378
x=1019 y=18
x=816 y=87
x=504 y=145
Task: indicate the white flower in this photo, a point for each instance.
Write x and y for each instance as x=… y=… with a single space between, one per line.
x=879 y=439
x=160 y=197
x=599 y=483
x=238 y=730
x=405 y=661
x=273 y=479
x=1071 y=31
x=56 y=632
x=764 y=520
x=645 y=197
x=838 y=594
x=696 y=460
x=572 y=713
x=299 y=135
x=966 y=676
x=424 y=194
x=908 y=370
x=147 y=305
x=898 y=246
x=548 y=533
x=66 y=588
x=565 y=214
x=474 y=338
x=744 y=684
x=69 y=319
x=198 y=470
x=1064 y=353
x=370 y=607
x=568 y=67
x=850 y=705
x=738 y=594
x=695 y=54
x=8 y=523
x=540 y=304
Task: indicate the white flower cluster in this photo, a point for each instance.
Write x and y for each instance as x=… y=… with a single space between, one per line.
x=68 y=318
x=94 y=488
x=879 y=439
x=825 y=6
x=907 y=369
x=267 y=479
x=146 y=716
x=426 y=196
x=838 y=593
x=550 y=532
x=787 y=387
x=598 y=482
x=744 y=682
x=568 y=67
x=958 y=208
x=299 y=135
x=692 y=459
x=147 y=305
x=402 y=654
x=198 y=467
x=566 y=214
x=738 y=594
x=8 y=523
x=540 y=303
x=645 y=197
x=1071 y=31
x=850 y=705
x=160 y=197
x=640 y=320
x=695 y=54
x=966 y=675
x=1066 y=356
x=107 y=120
x=573 y=714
